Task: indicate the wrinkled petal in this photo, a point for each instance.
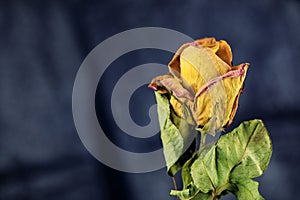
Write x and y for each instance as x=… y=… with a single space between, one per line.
x=224 y=52
x=199 y=65
x=238 y=83
x=216 y=108
x=208 y=42
x=174 y=65
x=177 y=88
x=157 y=86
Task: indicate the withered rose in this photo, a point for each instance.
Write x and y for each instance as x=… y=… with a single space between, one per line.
x=203 y=80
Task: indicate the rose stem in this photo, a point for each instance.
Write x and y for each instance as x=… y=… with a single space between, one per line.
x=174 y=183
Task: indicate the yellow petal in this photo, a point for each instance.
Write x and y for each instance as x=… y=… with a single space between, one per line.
x=224 y=52
x=235 y=86
x=218 y=105
x=211 y=43
x=199 y=65
x=208 y=42
x=183 y=109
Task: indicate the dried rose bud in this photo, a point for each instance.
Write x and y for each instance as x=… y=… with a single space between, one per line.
x=203 y=79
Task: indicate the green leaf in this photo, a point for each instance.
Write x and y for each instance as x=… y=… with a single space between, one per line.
x=248 y=189
x=190 y=190
x=187 y=193
x=186 y=171
x=255 y=146
x=203 y=171
x=204 y=196
x=230 y=164
x=176 y=134
x=182 y=159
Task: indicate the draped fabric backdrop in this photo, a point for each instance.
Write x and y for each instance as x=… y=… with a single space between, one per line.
x=42 y=44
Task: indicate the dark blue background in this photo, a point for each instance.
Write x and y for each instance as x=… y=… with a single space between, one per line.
x=42 y=44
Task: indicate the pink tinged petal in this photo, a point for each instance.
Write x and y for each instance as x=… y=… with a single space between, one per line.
x=235 y=73
x=152 y=87
x=212 y=82
x=178 y=90
x=157 y=86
